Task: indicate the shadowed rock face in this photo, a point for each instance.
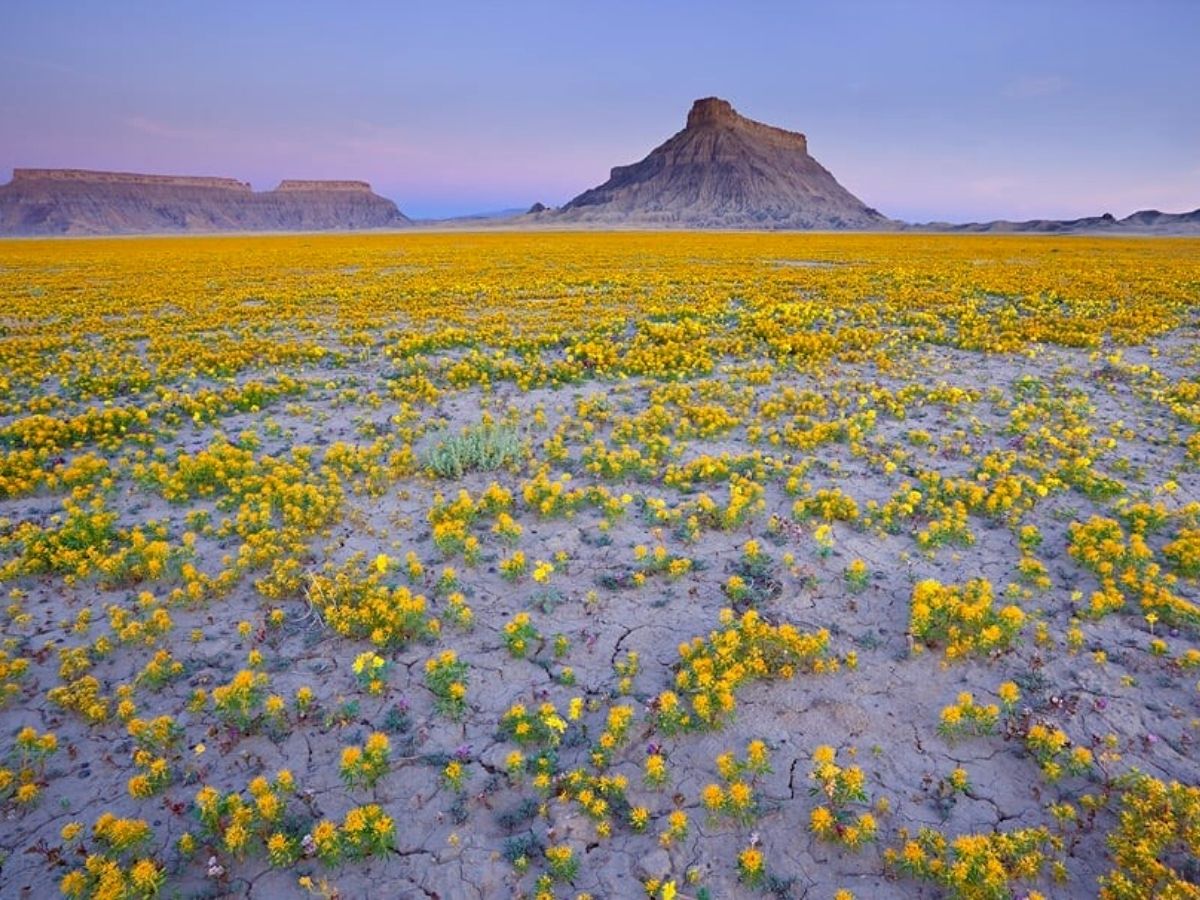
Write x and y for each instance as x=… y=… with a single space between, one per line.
x=80 y=202
x=724 y=171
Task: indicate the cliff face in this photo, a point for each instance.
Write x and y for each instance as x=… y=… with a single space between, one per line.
x=723 y=171
x=80 y=202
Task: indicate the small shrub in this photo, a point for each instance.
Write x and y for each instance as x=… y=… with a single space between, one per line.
x=482 y=448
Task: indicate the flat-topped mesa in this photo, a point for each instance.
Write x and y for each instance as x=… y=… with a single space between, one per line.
x=297 y=184
x=77 y=202
x=87 y=176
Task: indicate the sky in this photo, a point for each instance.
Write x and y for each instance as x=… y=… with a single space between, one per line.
x=964 y=110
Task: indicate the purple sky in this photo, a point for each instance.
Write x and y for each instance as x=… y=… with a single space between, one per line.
x=933 y=110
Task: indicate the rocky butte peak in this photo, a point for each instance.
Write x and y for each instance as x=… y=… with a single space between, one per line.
x=711 y=109
x=724 y=171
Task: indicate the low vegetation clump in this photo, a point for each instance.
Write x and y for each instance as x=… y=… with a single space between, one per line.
x=480 y=448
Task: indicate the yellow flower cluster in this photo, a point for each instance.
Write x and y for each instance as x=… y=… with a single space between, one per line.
x=105 y=878
x=370 y=670
x=446 y=676
x=598 y=796
x=451 y=520
x=513 y=567
x=1053 y=751
x=365 y=831
x=85 y=541
x=12 y=671
x=120 y=834
x=1157 y=836
x=551 y=498
x=965 y=717
x=747 y=648
x=975 y=865
x=614 y=735
x=1184 y=552
x=736 y=799
x=857 y=575
x=160 y=670
x=676 y=830
x=240 y=701
x=827 y=504
x=144 y=624
x=507 y=528
x=364 y=766
x=244 y=825
x=356 y=601
x=961 y=618
x=619 y=464
x=82 y=696
x=626 y=670
x=655 y=775
x=1123 y=565
x=707 y=469
x=562 y=862
x=660 y=561
x=750 y=864
x=543 y=728
x=520 y=635
x=840 y=787
x=23 y=781
x=154 y=775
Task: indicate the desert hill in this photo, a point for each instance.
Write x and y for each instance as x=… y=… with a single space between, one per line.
x=722 y=171
x=1146 y=221
x=80 y=202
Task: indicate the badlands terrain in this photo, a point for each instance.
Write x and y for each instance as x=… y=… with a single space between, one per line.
x=609 y=565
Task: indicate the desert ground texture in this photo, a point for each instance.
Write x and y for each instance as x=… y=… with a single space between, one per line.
x=672 y=565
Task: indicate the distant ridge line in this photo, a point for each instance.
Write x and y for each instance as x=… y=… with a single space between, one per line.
x=93 y=176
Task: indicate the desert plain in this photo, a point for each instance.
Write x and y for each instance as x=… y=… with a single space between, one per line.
x=448 y=565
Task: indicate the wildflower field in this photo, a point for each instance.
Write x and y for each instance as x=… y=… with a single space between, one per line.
x=610 y=565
